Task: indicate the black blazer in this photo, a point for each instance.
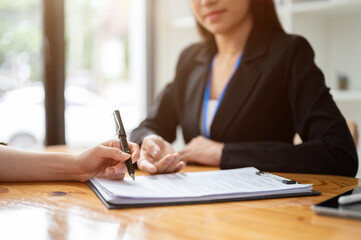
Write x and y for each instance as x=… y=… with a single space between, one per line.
x=276 y=91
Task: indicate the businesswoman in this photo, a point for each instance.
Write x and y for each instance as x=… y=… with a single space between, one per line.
x=241 y=95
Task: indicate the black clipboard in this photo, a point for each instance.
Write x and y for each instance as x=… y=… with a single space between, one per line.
x=130 y=205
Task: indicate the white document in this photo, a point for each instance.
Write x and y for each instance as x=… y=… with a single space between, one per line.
x=194 y=186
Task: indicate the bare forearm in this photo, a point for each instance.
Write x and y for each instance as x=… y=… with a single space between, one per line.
x=17 y=165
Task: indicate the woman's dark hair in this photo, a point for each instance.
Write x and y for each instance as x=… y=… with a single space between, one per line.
x=263 y=14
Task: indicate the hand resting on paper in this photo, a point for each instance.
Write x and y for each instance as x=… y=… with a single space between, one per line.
x=158 y=156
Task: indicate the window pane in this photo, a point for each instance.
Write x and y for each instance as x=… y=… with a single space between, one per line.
x=21 y=89
x=98 y=70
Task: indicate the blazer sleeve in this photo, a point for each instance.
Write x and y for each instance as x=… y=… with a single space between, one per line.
x=327 y=146
x=163 y=116
x=161 y=119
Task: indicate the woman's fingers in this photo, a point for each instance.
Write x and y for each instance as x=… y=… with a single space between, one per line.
x=151 y=147
x=174 y=160
x=115 y=144
x=120 y=168
x=119 y=176
x=157 y=155
x=111 y=153
x=146 y=166
x=134 y=149
x=168 y=163
x=180 y=166
x=116 y=171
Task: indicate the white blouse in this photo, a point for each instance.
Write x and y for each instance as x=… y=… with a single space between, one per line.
x=212 y=107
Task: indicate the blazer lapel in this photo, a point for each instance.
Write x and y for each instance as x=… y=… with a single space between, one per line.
x=196 y=83
x=237 y=93
x=241 y=85
x=193 y=99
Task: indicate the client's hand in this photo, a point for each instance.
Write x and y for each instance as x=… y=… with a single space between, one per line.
x=105 y=160
x=202 y=151
x=157 y=156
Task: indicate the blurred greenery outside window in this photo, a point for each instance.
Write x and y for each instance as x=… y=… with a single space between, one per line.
x=20 y=43
x=21 y=65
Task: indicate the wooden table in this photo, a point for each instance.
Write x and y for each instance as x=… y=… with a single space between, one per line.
x=70 y=210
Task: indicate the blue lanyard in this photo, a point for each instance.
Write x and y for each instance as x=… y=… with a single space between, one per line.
x=207 y=94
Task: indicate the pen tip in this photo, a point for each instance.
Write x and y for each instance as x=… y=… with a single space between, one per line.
x=132 y=176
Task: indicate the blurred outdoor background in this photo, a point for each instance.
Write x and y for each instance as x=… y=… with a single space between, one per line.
x=97 y=69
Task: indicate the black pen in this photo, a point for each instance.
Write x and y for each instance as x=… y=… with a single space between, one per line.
x=122 y=136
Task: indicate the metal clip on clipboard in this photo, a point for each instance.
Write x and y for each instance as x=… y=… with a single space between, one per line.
x=278 y=178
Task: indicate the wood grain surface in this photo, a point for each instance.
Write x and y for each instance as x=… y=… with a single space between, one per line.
x=70 y=210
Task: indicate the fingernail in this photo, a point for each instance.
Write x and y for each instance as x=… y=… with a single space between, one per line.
x=152 y=170
x=155 y=152
x=169 y=159
x=125 y=155
x=110 y=172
